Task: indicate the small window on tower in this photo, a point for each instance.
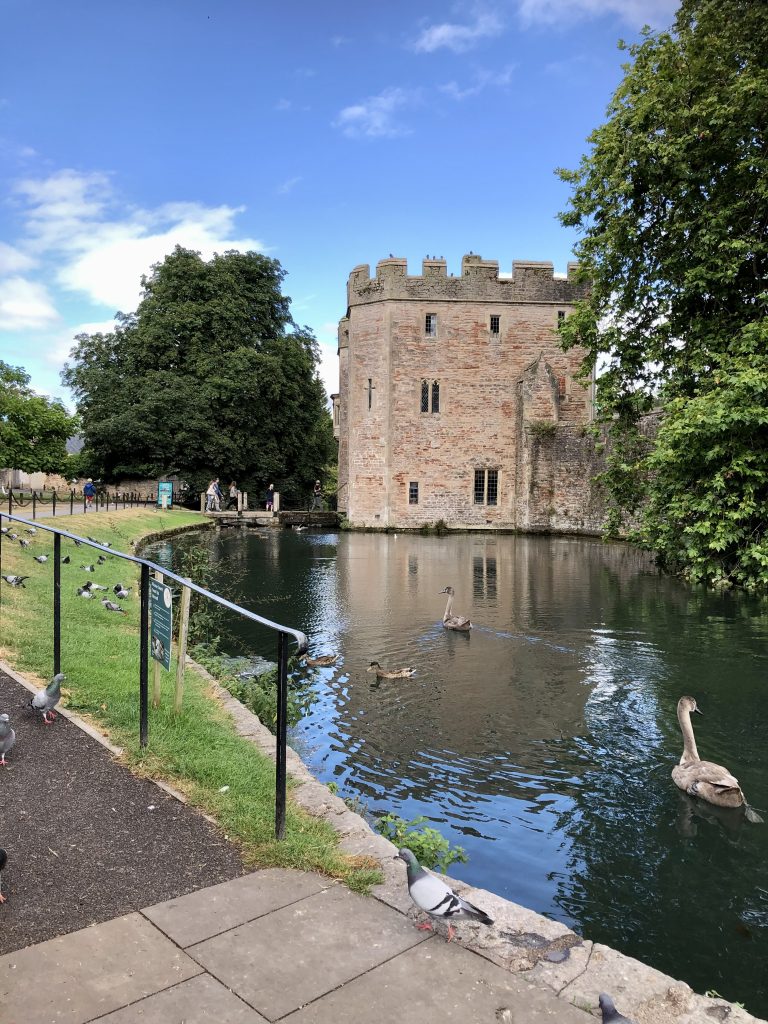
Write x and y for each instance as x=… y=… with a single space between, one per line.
x=435 y=396
x=560 y=316
x=495 y=324
x=430 y=325
x=425 y=396
x=413 y=492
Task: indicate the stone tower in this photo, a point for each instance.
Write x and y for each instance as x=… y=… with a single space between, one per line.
x=445 y=383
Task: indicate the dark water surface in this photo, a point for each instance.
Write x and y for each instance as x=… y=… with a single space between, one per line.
x=543 y=741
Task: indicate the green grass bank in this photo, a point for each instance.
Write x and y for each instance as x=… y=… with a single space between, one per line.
x=198 y=751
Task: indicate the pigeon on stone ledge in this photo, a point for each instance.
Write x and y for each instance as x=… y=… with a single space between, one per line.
x=610 y=1014
x=7 y=737
x=432 y=895
x=47 y=699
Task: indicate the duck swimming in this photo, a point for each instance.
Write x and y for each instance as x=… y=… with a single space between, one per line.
x=324 y=659
x=704 y=779
x=395 y=673
x=450 y=621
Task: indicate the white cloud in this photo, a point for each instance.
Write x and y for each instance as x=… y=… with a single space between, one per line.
x=102 y=248
x=25 y=305
x=458 y=38
x=657 y=13
x=375 y=116
x=482 y=80
x=14 y=261
x=288 y=185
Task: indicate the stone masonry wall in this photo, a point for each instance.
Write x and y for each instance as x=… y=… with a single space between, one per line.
x=387 y=442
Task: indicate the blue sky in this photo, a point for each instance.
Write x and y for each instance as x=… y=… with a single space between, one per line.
x=325 y=135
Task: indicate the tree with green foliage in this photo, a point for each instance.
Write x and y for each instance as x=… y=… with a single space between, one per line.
x=33 y=429
x=672 y=206
x=210 y=376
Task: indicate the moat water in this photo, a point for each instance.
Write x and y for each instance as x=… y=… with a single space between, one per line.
x=543 y=741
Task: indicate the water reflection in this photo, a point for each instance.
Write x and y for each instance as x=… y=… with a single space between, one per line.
x=542 y=741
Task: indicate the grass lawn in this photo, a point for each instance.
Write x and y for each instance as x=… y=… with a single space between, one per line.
x=198 y=751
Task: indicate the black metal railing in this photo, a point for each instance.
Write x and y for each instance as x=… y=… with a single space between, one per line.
x=72 y=503
x=284 y=632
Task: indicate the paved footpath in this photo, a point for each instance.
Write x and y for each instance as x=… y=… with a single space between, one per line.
x=275 y=945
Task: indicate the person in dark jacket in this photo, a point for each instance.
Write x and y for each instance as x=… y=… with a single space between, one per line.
x=270 y=498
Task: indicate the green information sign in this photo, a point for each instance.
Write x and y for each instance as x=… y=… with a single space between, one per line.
x=165 y=494
x=160 y=602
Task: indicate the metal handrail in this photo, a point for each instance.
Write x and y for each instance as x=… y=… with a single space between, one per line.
x=282 y=646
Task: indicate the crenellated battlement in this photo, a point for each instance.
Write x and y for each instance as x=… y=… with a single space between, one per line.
x=479 y=281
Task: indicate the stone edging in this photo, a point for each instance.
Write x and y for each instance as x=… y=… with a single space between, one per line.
x=542 y=951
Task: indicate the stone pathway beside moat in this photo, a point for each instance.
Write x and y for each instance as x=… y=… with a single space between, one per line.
x=291 y=946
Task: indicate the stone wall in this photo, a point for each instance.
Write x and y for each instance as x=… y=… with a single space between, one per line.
x=481 y=380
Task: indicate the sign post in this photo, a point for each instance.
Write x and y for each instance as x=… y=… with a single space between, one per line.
x=160 y=602
x=165 y=494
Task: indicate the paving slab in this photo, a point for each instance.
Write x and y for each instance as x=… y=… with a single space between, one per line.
x=288 y=958
x=201 y=915
x=438 y=981
x=78 y=977
x=201 y=1000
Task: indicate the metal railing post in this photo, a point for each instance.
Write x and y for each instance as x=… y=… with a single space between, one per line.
x=144 y=657
x=34 y=504
x=53 y=503
x=10 y=501
x=281 y=738
x=56 y=603
x=72 y=502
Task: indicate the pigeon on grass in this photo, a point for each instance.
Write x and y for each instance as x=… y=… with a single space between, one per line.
x=101 y=560
x=112 y=607
x=66 y=560
x=15 y=581
x=4 y=529
x=88 y=568
x=610 y=1014
x=121 y=591
x=7 y=738
x=31 y=529
x=24 y=543
x=3 y=862
x=432 y=895
x=41 y=558
x=85 y=592
x=13 y=536
x=46 y=700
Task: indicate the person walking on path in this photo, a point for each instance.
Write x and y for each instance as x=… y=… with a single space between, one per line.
x=317 y=496
x=213 y=496
x=270 y=498
x=89 y=490
x=232 y=503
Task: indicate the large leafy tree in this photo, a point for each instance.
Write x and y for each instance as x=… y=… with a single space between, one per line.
x=210 y=375
x=672 y=206
x=33 y=429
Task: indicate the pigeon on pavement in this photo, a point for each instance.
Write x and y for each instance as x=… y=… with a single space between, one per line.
x=610 y=1014
x=7 y=737
x=3 y=862
x=112 y=607
x=432 y=895
x=47 y=699
x=15 y=581
x=41 y=558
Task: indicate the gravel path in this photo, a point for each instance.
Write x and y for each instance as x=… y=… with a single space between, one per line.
x=86 y=840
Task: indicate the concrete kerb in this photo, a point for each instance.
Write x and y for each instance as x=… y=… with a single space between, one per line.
x=542 y=951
